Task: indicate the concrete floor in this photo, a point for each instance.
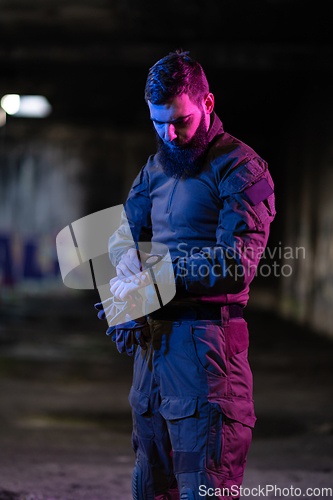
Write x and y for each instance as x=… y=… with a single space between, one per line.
x=65 y=421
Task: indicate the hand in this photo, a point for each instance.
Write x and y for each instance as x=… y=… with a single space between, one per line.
x=117 y=312
x=129 y=334
x=107 y=308
x=121 y=289
x=130 y=266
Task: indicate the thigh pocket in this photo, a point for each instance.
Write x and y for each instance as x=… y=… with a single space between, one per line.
x=210 y=349
x=181 y=417
x=142 y=421
x=237 y=438
x=215 y=445
x=228 y=443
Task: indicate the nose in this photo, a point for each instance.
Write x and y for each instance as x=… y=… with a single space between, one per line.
x=170 y=132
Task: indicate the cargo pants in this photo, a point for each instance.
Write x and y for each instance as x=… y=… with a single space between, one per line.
x=192 y=409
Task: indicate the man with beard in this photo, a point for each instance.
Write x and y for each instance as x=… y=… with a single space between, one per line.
x=209 y=198
x=181 y=158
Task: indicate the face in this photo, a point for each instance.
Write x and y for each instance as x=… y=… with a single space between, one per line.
x=177 y=121
x=181 y=133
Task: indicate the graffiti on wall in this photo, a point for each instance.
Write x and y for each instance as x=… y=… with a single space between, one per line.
x=26 y=262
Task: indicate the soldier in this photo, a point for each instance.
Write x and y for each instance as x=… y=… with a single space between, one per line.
x=209 y=198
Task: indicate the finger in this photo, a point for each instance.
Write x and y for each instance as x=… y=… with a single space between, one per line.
x=130 y=265
x=110 y=330
x=101 y=305
x=120 y=341
x=103 y=313
x=140 y=340
x=129 y=342
x=132 y=260
x=126 y=289
x=146 y=333
x=144 y=276
x=133 y=255
x=130 y=351
x=126 y=273
x=121 y=291
x=115 y=287
x=116 y=278
x=118 y=285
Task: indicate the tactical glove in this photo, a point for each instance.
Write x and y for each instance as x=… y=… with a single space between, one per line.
x=130 y=332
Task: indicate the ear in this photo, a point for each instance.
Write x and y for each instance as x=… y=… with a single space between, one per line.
x=209 y=102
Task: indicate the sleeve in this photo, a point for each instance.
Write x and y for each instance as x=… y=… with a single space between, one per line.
x=135 y=223
x=247 y=209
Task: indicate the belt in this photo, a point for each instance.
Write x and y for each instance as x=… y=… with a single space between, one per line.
x=195 y=312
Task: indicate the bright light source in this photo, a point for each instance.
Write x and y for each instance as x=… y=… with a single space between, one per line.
x=10 y=103
x=29 y=106
x=34 y=106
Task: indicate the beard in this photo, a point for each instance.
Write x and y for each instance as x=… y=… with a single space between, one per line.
x=185 y=160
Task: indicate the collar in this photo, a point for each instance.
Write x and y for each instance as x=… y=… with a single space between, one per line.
x=215 y=128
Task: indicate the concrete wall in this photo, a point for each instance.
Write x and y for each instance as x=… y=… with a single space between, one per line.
x=49 y=178
x=307 y=295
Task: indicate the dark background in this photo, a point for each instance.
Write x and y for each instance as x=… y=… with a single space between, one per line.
x=269 y=64
x=65 y=420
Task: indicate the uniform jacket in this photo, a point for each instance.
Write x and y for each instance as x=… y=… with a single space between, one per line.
x=215 y=224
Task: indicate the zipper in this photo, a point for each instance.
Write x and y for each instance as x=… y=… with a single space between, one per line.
x=171 y=196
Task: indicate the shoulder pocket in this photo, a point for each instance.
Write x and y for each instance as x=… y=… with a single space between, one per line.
x=244 y=175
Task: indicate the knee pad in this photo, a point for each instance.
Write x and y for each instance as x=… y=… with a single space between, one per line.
x=137 y=491
x=186 y=494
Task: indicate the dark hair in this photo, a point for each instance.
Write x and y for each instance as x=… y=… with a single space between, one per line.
x=174 y=75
